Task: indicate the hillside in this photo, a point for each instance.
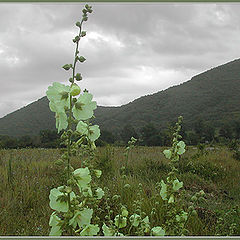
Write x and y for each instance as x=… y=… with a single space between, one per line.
x=212 y=95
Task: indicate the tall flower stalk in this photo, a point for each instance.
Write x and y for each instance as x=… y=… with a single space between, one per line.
x=74 y=109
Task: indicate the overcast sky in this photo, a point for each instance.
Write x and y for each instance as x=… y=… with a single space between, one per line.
x=132 y=49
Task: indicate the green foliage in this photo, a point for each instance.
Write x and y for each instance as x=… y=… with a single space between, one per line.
x=150 y=136
x=127 y=132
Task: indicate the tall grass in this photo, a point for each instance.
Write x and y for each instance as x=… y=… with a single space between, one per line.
x=24 y=190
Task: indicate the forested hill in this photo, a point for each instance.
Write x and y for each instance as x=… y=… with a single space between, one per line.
x=212 y=96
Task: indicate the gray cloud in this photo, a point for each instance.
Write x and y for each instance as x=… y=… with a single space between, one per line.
x=131 y=49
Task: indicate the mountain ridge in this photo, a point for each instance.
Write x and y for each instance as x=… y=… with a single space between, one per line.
x=211 y=95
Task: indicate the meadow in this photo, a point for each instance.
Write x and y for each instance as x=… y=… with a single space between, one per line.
x=28 y=175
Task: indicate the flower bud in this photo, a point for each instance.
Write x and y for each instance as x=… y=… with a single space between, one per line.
x=85 y=19
x=71 y=80
x=75 y=90
x=66 y=67
x=83 y=33
x=81 y=59
x=194 y=198
x=194 y=213
x=70 y=182
x=78 y=24
x=77 y=38
x=202 y=193
x=68 y=189
x=78 y=77
x=190 y=208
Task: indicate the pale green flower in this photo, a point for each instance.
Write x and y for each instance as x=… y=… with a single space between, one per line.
x=167 y=153
x=83 y=108
x=145 y=224
x=90 y=230
x=92 y=132
x=135 y=219
x=183 y=217
x=181 y=147
x=163 y=192
x=61 y=206
x=87 y=191
x=100 y=193
x=124 y=211
x=81 y=218
x=59 y=94
x=53 y=222
x=158 y=231
x=82 y=128
x=177 y=185
x=107 y=231
x=61 y=116
x=83 y=177
x=171 y=199
x=120 y=222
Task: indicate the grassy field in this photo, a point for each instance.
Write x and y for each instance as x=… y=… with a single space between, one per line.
x=24 y=191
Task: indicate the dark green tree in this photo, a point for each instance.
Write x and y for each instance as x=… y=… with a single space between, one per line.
x=150 y=136
x=49 y=138
x=25 y=141
x=127 y=132
x=226 y=131
x=106 y=137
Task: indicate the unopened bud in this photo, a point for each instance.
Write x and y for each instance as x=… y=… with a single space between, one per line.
x=81 y=59
x=66 y=67
x=194 y=213
x=78 y=77
x=78 y=24
x=75 y=90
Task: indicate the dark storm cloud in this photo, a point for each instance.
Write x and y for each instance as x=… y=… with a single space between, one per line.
x=131 y=49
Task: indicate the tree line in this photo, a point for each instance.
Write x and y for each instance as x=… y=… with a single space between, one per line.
x=149 y=135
